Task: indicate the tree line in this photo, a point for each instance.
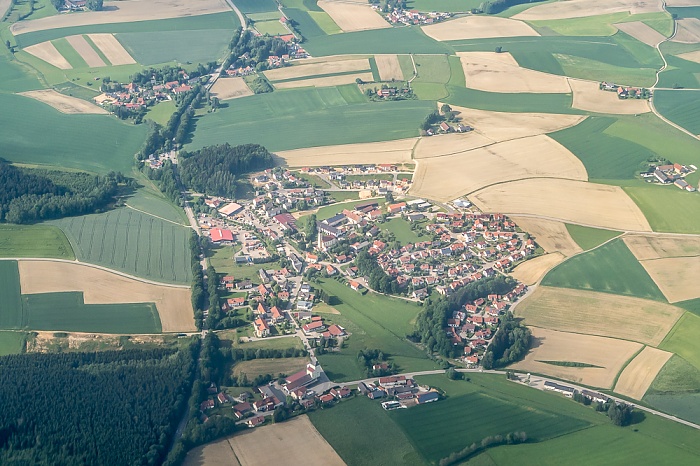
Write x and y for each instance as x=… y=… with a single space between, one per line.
x=31 y=195
x=492 y=7
x=103 y=408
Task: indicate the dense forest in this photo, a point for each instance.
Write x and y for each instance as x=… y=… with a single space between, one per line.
x=510 y=343
x=214 y=169
x=106 y=408
x=30 y=195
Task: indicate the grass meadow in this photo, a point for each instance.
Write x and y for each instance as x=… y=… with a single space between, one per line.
x=11 y=302
x=611 y=268
x=402 y=231
x=589 y=238
x=194 y=46
x=683 y=339
x=34 y=241
x=131 y=242
x=12 y=342
x=256 y=6
x=292 y=119
x=666 y=207
x=681 y=107
x=330 y=210
x=95 y=143
x=162 y=112
x=374 y=321
x=680 y=73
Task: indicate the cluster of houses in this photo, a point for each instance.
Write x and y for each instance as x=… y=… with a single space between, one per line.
x=569 y=392
x=444 y=128
x=671 y=173
x=414 y=17
x=626 y=92
x=133 y=96
x=294 y=52
x=402 y=390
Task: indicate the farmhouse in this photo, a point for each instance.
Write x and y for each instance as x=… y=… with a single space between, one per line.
x=563 y=389
x=217 y=235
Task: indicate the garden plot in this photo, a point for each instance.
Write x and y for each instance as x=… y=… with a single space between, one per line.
x=571 y=201
x=678 y=278
x=658 y=247
x=688 y=31
x=398 y=151
x=389 y=67
x=124 y=12
x=104 y=287
x=64 y=103
x=499 y=72
x=305 y=70
x=551 y=235
x=85 y=51
x=447 y=177
x=112 y=49
x=607 y=355
x=230 y=88
x=589 y=97
x=47 y=51
x=583 y=8
x=639 y=374
x=352 y=16
x=533 y=270
x=478 y=27
x=602 y=314
x=642 y=32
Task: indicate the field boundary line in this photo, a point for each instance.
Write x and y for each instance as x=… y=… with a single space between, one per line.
x=624 y=366
x=160 y=218
x=95 y=266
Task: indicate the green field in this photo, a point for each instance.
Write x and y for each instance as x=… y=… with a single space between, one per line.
x=676 y=377
x=683 y=339
x=342 y=196
x=272 y=28
x=73 y=90
x=392 y=40
x=96 y=143
x=666 y=207
x=12 y=342
x=309 y=117
x=452 y=6
x=34 y=241
x=69 y=53
x=524 y=102
x=256 y=6
x=330 y=210
x=11 y=301
x=222 y=261
x=402 y=231
x=149 y=199
x=15 y=77
x=681 y=107
x=196 y=46
x=680 y=73
x=132 y=242
x=68 y=312
x=692 y=305
x=313 y=180
x=325 y=22
x=602 y=25
x=374 y=321
x=589 y=238
x=611 y=268
x=161 y=113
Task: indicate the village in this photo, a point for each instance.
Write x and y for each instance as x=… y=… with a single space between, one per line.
x=400 y=16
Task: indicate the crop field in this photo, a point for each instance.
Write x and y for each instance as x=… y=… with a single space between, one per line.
x=683 y=339
x=151 y=201
x=653 y=25
x=611 y=268
x=111 y=48
x=681 y=72
x=675 y=389
x=589 y=238
x=657 y=247
x=67 y=311
x=300 y=118
x=524 y=102
x=585 y=8
x=676 y=277
x=635 y=379
x=34 y=241
x=12 y=342
x=549 y=234
x=374 y=321
x=257 y=367
x=589 y=312
x=531 y=271
x=402 y=231
x=64 y=103
x=11 y=302
x=681 y=107
x=478 y=27
x=273 y=28
x=256 y=6
x=588 y=97
x=666 y=208
x=149 y=48
x=97 y=143
x=316 y=68
x=131 y=242
x=48 y=52
x=352 y=17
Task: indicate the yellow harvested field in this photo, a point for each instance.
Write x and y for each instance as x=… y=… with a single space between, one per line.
x=319 y=68
x=582 y=8
x=571 y=201
x=296 y=440
x=688 y=31
x=639 y=374
x=645 y=247
x=589 y=97
x=449 y=144
x=47 y=51
x=352 y=16
x=448 y=177
x=398 y=151
x=551 y=235
x=212 y=454
x=532 y=271
x=602 y=314
x=256 y=367
x=327 y=81
x=494 y=72
x=478 y=27
x=641 y=32
x=678 y=278
x=691 y=56
x=86 y=51
x=502 y=126
x=64 y=103
x=230 y=88
x=103 y=287
x=608 y=354
x=112 y=48
x=388 y=67
x=124 y=12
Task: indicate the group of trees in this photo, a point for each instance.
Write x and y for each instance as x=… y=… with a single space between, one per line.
x=512 y=438
x=30 y=195
x=368 y=358
x=214 y=169
x=509 y=344
x=492 y=7
x=112 y=407
x=433 y=118
x=376 y=278
x=250 y=50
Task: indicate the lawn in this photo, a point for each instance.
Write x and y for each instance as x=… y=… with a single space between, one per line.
x=681 y=107
x=589 y=238
x=96 y=143
x=11 y=301
x=12 y=342
x=222 y=261
x=374 y=321
x=256 y=367
x=667 y=207
x=34 y=241
x=132 y=242
x=161 y=113
x=300 y=118
x=313 y=180
x=342 y=196
x=363 y=434
x=68 y=312
x=195 y=46
x=330 y=210
x=683 y=339
x=402 y=231
x=611 y=268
